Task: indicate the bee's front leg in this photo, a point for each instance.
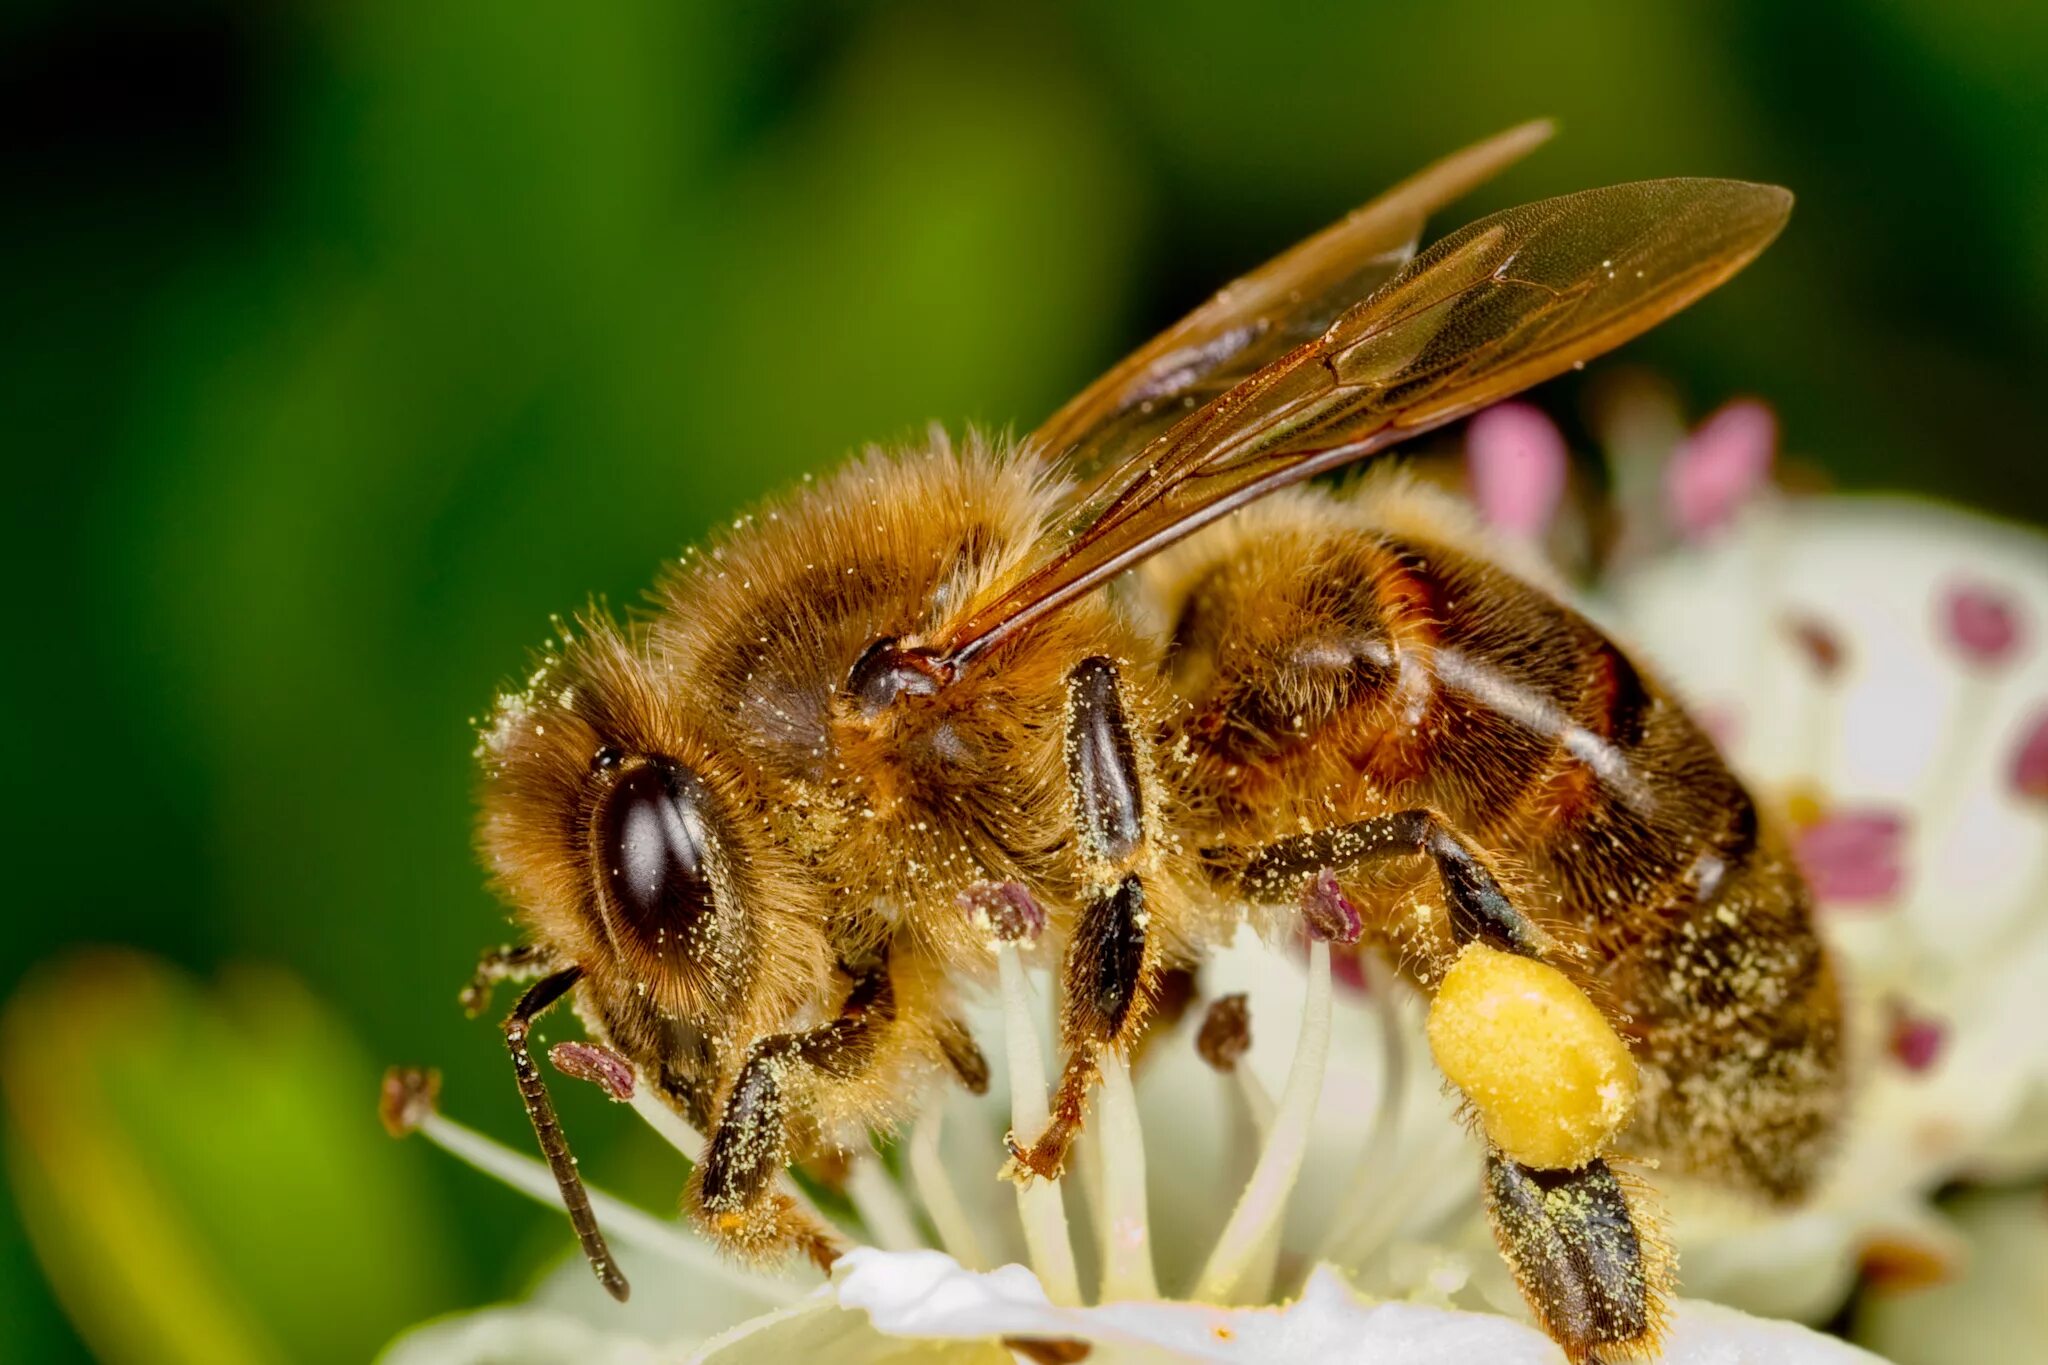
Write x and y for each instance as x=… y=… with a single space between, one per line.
x=732 y=1190
x=538 y=999
x=1112 y=958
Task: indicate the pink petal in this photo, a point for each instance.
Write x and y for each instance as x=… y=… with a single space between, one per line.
x=1515 y=461
x=2030 y=762
x=1982 y=622
x=1718 y=468
x=1852 y=857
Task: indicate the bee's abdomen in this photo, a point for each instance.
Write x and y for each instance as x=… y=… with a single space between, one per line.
x=1354 y=673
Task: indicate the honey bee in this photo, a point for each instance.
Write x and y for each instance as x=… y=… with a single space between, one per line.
x=743 y=831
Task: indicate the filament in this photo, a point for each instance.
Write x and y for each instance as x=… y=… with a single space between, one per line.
x=1120 y=1208
x=1257 y=1102
x=1376 y=1156
x=879 y=1201
x=1240 y=1266
x=682 y=1135
x=630 y=1225
x=1039 y=1203
x=935 y=1189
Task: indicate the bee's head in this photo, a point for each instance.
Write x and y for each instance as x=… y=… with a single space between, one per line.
x=631 y=847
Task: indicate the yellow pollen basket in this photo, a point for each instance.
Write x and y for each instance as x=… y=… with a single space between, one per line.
x=1548 y=1075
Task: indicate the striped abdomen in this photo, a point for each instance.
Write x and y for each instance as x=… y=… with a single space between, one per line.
x=1333 y=672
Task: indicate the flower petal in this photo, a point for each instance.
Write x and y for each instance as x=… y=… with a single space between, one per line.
x=928 y=1295
x=519 y=1336
x=1515 y=460
x=1720 y=466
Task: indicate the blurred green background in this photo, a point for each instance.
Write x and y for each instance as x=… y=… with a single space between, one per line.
x=346 y=342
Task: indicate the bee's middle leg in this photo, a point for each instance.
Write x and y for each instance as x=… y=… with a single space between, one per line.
x=732 y=1190
x=1113 y=956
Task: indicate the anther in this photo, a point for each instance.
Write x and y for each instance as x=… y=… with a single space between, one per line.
x=1328 y=912
x=593 y=1062
x=1009 y=911
x=410 y=1094
x=1226 y=1032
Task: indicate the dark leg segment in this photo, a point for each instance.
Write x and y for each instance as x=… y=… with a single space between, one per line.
x=1577 y=1257
x=553 y=1145
x=963 y=1054
x=751 y=1146
x=1105 y=975
x=1104 y=969
x=1106 y=962
x=1479 y=910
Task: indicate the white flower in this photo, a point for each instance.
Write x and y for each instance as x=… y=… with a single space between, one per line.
x=1871 y=668
x=1373 y=1238
x=1873 y=664
x=1875 y=668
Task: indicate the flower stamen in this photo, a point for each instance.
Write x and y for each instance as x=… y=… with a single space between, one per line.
x=1241 y=1264
x=409 y=1107
x=1120 y=1209
x=1225 y=1036
x=935 y=1190
x=879 y=1202
x=1343 y=1240
x=1039 y=1205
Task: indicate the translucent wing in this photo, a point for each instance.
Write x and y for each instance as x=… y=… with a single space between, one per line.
x=1489 y=310
x=1260 y=317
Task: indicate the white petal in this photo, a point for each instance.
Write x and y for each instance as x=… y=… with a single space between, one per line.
x=1873 y=570
x=821 y=1333
x=1708 y=1334
x=928 y=1295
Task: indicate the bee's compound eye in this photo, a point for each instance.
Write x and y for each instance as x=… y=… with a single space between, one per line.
x=655 y=849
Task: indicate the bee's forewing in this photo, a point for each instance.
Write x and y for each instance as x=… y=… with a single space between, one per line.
x=1502 y=304
x=1255 y=319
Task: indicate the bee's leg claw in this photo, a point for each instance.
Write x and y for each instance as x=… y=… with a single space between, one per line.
x=1044 y=1159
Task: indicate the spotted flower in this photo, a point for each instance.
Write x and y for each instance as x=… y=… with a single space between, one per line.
x=1876 y=668
x=1284 y=1176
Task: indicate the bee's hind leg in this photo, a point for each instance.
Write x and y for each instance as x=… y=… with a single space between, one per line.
x=732 y=1190
x=1592 y=1275
x=1549 y=1078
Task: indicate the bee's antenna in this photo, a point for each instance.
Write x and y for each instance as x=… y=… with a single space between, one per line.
x=553 y=1144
